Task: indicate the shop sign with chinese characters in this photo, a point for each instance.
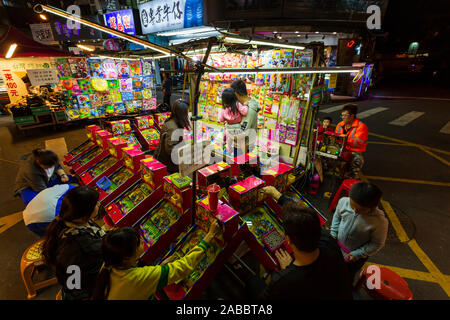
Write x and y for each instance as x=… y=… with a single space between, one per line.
x=42 y=77
x=14 y=85
x=42 y=33
x=162 y=15
x=122 y=20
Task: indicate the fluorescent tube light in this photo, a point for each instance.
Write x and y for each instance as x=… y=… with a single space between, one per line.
x=11 y=50
x=264 y=43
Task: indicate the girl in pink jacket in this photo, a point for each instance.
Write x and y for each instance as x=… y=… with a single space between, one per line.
x=231 y=114
x=233 y=110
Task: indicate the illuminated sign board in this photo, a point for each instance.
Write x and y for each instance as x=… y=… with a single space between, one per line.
x=122 y=20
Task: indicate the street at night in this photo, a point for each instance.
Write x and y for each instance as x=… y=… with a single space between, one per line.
x=230 y=151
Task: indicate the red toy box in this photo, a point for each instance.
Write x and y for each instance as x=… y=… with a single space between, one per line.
x=153 y=172
x=239 y=163
x=278 y=176
x=178 y=191
x=246 y=194
x=146 y=131
x=227 y=217
x=124 y=177
x=212 y=174
x=86 y=146
x=107 y=165
x=130 y=206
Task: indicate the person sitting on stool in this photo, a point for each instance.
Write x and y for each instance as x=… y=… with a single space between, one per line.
x=44 y=208
x=357 y=135
x=39 y=170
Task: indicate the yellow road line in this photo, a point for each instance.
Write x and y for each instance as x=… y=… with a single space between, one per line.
x=433 y=183
x=401 y=233
x=409 y=143
x=435 y=156
x=9 y=221
x=426 y=261
x=407 y=273
x=390 y=143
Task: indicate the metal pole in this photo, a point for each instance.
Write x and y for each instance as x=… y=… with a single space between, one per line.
x=196 y=93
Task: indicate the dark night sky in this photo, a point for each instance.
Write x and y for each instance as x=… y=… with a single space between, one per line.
x=424 y=21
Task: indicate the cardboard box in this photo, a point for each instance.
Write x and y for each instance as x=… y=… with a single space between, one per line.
x=278 y=176
x=246 y=195
x=212 y=174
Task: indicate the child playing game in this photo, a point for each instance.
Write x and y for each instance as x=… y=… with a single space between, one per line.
x=120 y=279
x=325 y=127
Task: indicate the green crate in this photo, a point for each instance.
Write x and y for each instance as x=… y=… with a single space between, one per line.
x=24 y=120
x=61 y=115
x=40 y=110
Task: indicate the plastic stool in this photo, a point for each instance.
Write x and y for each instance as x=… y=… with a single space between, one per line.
x=392 y=286
x=32 y=258
x=346 y=185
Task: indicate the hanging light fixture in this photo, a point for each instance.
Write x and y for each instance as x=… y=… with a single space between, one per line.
x=11 y=50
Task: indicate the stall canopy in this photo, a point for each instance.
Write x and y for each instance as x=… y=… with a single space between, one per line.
x=26 y=47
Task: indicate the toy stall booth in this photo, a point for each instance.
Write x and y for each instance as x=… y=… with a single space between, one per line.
x=90 y=158
x=112 y=185
x=172 y=216
x=122 y=129
x=98 y=88
x=107 y=165
x=221 y=248
x=133 y=203
x=145 y=129
x=86 y=146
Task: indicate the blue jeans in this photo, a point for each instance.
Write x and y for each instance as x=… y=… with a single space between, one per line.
x=38 y=228
x=28 y=194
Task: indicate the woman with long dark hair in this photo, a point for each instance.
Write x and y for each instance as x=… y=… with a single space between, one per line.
x=120 y=279
x=172 y=134
x=231 y=115
x=73 y=240
x=39 y=170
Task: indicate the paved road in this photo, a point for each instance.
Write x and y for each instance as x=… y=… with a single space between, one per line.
x=420 y=199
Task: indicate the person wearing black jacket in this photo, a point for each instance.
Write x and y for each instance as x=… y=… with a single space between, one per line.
x=317 y=270
x=39 y=170
x=73 y=243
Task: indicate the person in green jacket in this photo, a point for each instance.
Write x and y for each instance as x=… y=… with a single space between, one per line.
x=120 y=279
x=249 y=123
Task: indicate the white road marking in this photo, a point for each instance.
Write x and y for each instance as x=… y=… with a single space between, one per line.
x=332 y=109
x=368 y=113
x=446 y=128
x=407 y=118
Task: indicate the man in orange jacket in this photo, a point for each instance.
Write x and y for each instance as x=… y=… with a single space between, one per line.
x=357 y=134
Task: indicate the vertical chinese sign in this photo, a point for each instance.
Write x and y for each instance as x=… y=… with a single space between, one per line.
x=14 y=85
